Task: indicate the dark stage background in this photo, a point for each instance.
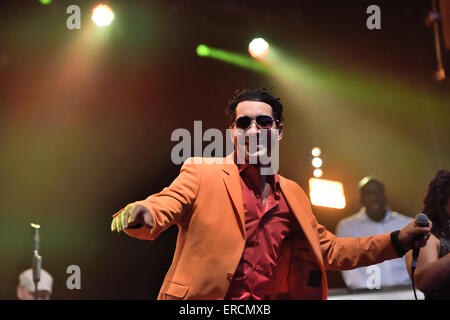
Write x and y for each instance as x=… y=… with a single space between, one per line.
x=86 y=117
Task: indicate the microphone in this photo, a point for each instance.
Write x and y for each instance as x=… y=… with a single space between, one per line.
x=37 y=265
x=421 y=221
x=37 y=260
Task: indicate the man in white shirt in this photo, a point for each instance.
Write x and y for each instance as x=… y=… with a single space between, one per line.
x=374 y=218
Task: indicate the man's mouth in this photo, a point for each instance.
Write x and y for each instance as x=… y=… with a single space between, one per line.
x=258 y=146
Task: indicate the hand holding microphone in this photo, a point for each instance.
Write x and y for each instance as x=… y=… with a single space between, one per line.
x=419 y=241
x=415 y=234
x=420 y=221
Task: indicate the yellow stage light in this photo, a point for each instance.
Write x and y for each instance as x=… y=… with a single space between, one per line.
x=258 y=48
x=317 y=162
x=102 y=15
x=318 y=173
x=316 y=151
x=326 y=193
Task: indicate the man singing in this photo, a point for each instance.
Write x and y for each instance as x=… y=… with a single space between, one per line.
x=245 y=232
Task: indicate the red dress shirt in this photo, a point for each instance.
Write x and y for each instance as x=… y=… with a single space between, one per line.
x=266 y=227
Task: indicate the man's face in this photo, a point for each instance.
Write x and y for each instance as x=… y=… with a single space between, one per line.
x=374 y=199
x=254 y=109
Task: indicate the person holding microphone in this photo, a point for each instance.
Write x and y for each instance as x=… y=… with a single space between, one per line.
x=432 y=274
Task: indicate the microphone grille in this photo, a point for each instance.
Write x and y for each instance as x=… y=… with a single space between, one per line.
x=422 y=220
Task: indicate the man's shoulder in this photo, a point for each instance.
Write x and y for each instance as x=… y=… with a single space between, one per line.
x=202 y=161
x=292 y=187
x=290 y=183
x=210 y=164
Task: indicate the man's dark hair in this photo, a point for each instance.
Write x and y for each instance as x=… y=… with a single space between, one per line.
x=370 y=179
x=435 y=203
x=261 y=94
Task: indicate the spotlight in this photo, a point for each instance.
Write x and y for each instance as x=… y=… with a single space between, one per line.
x=317 y=162
x=45 y=1
x=258 y=48
x=317 y=173
x=327 y=193
x=203 y=50
x=102 y=15
x=316 y=151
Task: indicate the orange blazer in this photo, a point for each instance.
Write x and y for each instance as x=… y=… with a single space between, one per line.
x=205 y=202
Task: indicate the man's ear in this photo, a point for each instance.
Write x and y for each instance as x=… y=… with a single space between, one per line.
x=280 y=131
x=230 y=131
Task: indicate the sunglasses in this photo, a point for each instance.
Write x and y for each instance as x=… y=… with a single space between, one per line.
x=263 y=122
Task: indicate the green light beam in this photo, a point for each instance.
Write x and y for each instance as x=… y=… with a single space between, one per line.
x=231 y=57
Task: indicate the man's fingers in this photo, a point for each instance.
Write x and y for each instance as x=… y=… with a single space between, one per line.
x=122 y=216
x=123 y=220
x=422 y=234
x=130 y=216
x=420 y=230
x=117 y=223
x=420 y=243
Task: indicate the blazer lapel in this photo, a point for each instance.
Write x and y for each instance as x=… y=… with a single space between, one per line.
x=298 y=209
x=232 y=182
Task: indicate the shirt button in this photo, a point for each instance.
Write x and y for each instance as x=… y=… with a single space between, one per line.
x=229 y=276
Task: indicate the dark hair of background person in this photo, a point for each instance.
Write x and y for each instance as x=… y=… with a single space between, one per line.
x=261 y=94
x=371 y=179
x=435 y=203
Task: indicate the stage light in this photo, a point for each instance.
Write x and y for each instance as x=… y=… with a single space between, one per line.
x=102 y=15
x=203 y=51
x=317 y=162
x=237 y=59
x=258 y=48
x=318 y=173
x=326 y=193
x=45 y=1
x=316 y=151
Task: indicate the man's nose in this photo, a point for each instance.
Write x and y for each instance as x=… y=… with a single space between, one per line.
x=253 y=129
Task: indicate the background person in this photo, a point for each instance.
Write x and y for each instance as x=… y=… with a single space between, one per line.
x=25 y=288
x=432 y=275
x=374 y=218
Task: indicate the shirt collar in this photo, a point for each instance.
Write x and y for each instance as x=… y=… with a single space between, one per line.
x=272 y=179
x=386 y=218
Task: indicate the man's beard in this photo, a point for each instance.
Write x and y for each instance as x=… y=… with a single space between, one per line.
x=254 y=149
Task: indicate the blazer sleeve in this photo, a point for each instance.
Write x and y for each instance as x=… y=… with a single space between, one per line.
x=173 y=204
x=350 y=253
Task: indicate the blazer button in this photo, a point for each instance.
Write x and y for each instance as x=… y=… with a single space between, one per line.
x=229 y=276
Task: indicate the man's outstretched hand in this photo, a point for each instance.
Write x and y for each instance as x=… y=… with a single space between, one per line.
x=133 y=216
x=412 y=236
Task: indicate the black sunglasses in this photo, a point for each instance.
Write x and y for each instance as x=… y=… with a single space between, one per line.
x=264 y=122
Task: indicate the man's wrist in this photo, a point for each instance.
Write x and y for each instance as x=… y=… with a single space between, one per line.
x=396 y=243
